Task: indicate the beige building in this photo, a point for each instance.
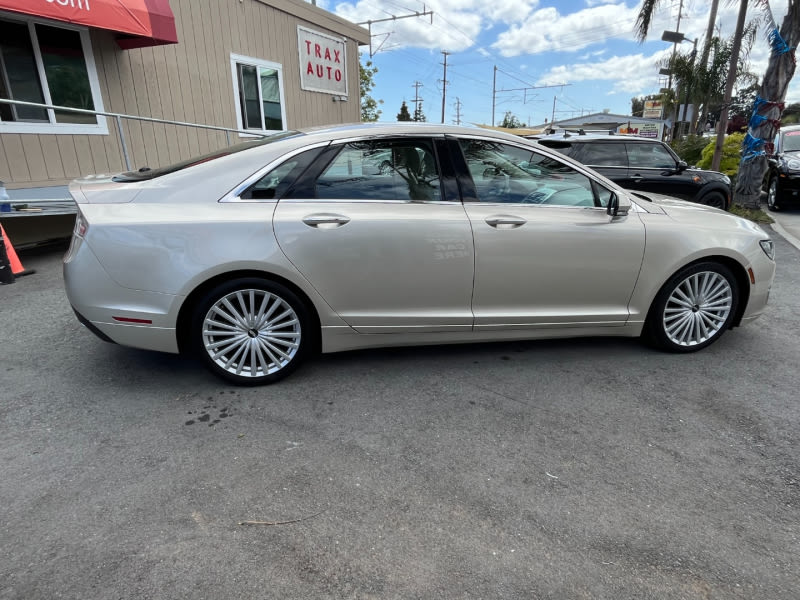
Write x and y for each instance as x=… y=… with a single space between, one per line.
x=250 y=65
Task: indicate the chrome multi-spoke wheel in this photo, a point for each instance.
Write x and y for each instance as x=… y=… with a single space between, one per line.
x=250 y=332
x=698 y=308
x=694 y=308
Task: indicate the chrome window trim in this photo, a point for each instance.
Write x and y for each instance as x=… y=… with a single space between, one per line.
x=362 y=201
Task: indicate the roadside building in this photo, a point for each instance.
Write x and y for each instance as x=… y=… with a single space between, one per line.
x=606 y=121
x=251 y=65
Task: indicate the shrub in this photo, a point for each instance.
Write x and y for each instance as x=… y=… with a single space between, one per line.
x=690 y=148
x=731 y=154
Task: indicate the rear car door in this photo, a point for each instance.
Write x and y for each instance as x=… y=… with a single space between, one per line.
x=379 y=230
x=610 y=159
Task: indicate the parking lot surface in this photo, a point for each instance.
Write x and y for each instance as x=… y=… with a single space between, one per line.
x=559 y=469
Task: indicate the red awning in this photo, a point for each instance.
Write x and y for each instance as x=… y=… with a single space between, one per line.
x=140 y=22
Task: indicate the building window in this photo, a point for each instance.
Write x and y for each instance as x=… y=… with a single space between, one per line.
x=48 y=65
x=258 y=91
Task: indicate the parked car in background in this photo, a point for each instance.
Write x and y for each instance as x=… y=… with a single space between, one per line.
x=644 y=165
x=255 y=256
x=783 y=175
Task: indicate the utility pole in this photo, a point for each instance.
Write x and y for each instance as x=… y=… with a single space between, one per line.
x=444 y=83
x=417 y=100
x=425 y=12
x=523 y=89
x=458 y=106
x=494 y=92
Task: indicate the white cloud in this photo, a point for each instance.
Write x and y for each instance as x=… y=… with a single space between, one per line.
x=547 y=30
x=630 y=74
x=456 y=23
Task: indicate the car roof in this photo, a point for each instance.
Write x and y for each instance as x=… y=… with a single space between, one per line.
x=338 y=132
x=594 y=137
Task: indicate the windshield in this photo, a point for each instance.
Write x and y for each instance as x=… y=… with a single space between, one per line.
x=146 y=173
x=791 y=141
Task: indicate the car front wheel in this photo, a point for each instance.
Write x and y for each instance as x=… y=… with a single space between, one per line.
x=716 y=200
x=251 y=331
x=693 y=309
x=772 y=194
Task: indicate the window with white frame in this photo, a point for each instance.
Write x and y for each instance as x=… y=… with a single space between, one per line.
x=258 y=90
x=47 y=64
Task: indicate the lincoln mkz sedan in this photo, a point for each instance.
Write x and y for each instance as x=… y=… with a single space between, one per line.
x=366 y=236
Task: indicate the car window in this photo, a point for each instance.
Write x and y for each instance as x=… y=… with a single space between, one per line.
x=604 y=154
x=650 y=156
x=510 y=174
x=274 y=184
x=382 y=170
x=791 y=141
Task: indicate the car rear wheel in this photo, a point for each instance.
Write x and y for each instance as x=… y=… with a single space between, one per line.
x=693 y=309
x=716 y=199
x=772 y=194
x=251 y=331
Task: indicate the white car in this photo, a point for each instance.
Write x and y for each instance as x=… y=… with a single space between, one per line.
x=263 y=252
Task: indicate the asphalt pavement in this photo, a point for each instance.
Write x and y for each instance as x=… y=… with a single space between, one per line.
x=588 y=468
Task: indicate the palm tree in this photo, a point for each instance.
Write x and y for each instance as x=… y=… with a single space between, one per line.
x=768 y=108
x=766 y=119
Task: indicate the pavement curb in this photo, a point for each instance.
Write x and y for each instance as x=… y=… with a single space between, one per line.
x=786 y=235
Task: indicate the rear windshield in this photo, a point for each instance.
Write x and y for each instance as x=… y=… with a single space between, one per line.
x=147 y=173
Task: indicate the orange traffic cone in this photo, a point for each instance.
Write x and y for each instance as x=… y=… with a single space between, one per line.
x=16 y=265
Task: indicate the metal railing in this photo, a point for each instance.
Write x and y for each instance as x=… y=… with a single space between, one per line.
x=118 y=119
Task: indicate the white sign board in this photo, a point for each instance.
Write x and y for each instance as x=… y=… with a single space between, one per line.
x=323 y=62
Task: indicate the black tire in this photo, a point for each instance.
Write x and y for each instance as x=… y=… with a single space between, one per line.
x=251 y=331
x=772 y=194
x=693 y=309
x=716 y=200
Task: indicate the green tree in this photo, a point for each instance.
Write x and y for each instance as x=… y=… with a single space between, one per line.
x=404 y=115
x=791 y=115
x=510 y=121
x=369 y=106
x=419 y=116
x=637 y=106
x=780 y=70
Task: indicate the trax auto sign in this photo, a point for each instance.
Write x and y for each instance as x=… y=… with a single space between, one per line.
x=323 y=64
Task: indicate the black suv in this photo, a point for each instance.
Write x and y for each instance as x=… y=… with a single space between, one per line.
x=783 y=183
x=644 y=165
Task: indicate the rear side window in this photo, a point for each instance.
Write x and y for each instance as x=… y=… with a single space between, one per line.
x=604 y=154
x=382 y=170
x=650 y=156
x=561 y=146
x=275 y=184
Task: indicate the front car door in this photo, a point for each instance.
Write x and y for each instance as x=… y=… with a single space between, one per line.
x=653 y=168
x=546 y=252
x=382 y=235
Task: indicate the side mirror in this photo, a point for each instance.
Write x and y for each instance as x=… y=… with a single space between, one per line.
x=617 y=207
x=682 y=166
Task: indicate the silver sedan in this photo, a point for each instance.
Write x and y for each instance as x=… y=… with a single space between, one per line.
x=259 y=254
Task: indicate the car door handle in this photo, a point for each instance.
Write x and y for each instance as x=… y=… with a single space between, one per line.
x=636 y=177
x=505 y=221
x=326 y=221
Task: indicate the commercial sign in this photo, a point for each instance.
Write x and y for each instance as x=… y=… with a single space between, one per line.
x=647 y=130
x=653 y=109
x=323 y=62
x=144 y=22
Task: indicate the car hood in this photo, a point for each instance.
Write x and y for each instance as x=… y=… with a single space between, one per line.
x=691 y=212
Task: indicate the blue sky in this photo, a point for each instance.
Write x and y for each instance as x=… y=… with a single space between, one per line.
x=587 y=44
